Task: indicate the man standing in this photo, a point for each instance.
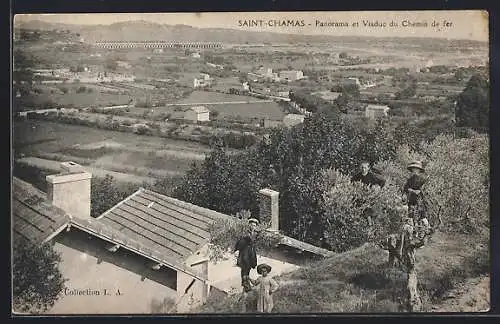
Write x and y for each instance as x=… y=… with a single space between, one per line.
x=247 y=257
x=414 y=195
x=368 y=177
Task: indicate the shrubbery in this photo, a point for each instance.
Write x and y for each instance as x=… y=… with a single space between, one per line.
x=311 y=167
x=473 y=104
x=344 y=221
x=225 y=231
x=37 y=279
x=106 y=193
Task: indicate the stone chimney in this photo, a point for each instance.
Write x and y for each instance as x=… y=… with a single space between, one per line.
x=269 y=207
x=70 y=190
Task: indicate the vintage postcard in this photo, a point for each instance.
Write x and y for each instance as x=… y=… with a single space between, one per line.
x=251 y=162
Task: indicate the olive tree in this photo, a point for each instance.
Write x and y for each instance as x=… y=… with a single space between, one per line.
x=36 y=279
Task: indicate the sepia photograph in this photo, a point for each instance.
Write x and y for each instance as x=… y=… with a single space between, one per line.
x=250 y=163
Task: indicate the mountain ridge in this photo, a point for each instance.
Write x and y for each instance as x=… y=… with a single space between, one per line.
x=145 y=30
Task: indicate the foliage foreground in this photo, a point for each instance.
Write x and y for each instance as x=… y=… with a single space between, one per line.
x=359 y=281
x=359 y=278
x=36 y=278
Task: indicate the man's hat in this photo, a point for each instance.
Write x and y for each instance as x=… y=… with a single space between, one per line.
x=263 y=266
x=416 y=165
x=253 y=221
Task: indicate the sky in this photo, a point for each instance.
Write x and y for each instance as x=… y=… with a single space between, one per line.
x=461 y=24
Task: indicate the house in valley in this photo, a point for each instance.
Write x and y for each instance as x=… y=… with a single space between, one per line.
x=197 y=113
x=376 y=111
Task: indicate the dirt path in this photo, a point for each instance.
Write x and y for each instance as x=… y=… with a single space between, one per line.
x=473 y=295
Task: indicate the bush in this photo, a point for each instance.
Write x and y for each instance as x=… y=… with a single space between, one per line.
x=457 y=170
x=81 y=89
x=225 y=233
x=106 y=194
x=473 y=104
x=345 y=202
x=36 y=279
x=142 y=130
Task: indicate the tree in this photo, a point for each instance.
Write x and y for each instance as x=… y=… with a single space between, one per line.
x=460 y=74
x=36 y=279
x=473 y=104
x=22 y=65
x=350 y=90
x=402 y=247
x=111 y=64
x=290 y=162
x=106 y=194
x=343 y=55
x=462 y=207
x=408 y=92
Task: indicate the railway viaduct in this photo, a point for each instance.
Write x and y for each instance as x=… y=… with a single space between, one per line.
x=155 y=44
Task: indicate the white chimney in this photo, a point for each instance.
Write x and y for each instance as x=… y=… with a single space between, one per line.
x=70 y=190
x=269 y=207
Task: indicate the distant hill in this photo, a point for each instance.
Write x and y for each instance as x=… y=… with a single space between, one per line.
x=144 y=30
x=43 y=25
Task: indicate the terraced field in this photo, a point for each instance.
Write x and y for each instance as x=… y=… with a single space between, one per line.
x=138 y=156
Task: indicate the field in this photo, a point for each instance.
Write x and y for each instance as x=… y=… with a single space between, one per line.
x=206 y=96
x=83 y=99
x=233 y=105
x=126 y=153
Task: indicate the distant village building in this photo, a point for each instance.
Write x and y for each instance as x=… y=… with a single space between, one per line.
x=203 y=81
x=429 y=98
x=205 y=76
x=368 y=84
x=292 y=75
x=376 y=111
x=217 y=66
x=158 y=50
x=197 y=113
x=195 y=55
x=264 y=71
x=246 y=86
x=284 y=94
x=291 y=120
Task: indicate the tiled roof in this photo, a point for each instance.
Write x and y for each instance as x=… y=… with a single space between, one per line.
x=172 y=228
x=33 y=217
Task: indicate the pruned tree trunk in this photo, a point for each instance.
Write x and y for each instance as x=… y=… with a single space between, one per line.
x=406 y=256
x=414 y=301
x=244 y=302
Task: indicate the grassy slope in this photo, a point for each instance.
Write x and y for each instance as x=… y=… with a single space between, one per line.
x=359 y=281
